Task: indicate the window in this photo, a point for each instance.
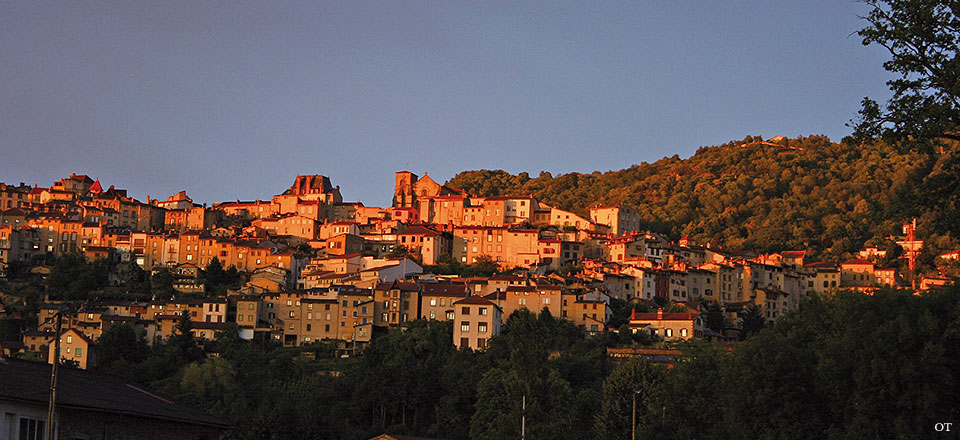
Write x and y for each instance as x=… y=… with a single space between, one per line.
x=482 y=327
x=433 y=301
x=683 y=333
x=450 y=316
x=69 y=339
x=668 y=332
x=465 y=326
x=291 y=313
x=483 y=311
x=481 y=342
x=32 y=429
x=464 y=342
x=465 y=310
x=433 y=315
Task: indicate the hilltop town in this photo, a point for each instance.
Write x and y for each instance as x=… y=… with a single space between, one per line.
x=306 y=266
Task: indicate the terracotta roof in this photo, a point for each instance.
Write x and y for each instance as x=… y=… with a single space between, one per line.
x=858 y=261
x=343 y=257
x=475 y=300
x=402 y=286
x=379 y=268
x=419 y=230
x=505 y=278
x=497 y=295
x=521 y=289
x=431 y=289
x=653 y=316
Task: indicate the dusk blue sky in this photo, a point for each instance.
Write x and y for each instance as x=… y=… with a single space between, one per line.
x=231 y=100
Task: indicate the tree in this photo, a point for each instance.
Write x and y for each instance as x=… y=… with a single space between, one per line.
x=402 y=251
x=183 y=339
x=72 y=277
x=500 y=400
x=161 y=283
x=485 y=266
x=628 y=380
x=686 y=403
x=119 y=347
x=752 y=321
x=713 y=317
x=134 y=278
x=214 y=386
x=922 y=37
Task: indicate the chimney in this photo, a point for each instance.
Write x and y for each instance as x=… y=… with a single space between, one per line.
x=659 y=313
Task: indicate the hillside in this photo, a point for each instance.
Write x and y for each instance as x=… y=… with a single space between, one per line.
x=754 y=195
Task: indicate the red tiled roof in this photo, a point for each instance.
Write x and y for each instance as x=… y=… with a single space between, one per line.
x=820 y=264
x=419 y=230
x=857 y=261
x=431 y=289
x=475 y=300
x=653 y=316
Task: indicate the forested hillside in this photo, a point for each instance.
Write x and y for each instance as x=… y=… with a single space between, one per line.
x=804 y=193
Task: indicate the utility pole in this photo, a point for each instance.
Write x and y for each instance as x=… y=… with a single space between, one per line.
x=53 y=377
x=633 y=427
x=523 y=418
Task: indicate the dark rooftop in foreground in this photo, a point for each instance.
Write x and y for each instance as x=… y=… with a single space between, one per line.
x=29 y=382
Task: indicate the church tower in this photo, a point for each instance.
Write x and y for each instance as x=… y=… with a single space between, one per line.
x=403 y=196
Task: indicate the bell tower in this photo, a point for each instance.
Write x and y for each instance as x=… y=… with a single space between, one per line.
x=403 y=196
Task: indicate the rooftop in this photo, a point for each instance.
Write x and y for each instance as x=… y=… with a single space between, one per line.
x=79 y=389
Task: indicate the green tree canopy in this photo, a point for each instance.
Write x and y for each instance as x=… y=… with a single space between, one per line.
x=922 y=37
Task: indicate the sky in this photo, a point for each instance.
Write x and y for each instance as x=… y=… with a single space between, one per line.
x=232 y=99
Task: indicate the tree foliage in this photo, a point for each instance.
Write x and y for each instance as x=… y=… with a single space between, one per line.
x=893 y=357
x=74 y=278
x=216 y=280
x=804 y=193
x=922 y=37
x=850 y=367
